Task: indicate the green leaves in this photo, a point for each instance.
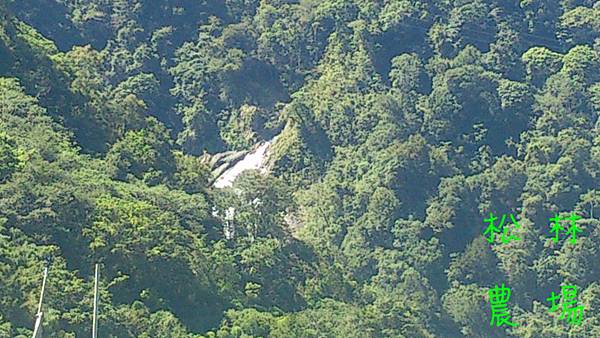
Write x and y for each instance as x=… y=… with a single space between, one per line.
x=540 y=63
x=9 y=157
x=144 y=154
x=400 y=124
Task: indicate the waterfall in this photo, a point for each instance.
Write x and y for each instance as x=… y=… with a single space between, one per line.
x=253 y=160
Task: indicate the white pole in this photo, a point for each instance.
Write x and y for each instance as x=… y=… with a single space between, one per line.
x=95 y=315
x=37 y=330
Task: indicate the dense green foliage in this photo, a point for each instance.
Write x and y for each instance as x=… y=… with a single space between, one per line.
x=401 y=124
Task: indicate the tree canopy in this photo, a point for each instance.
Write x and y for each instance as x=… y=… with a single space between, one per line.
x=396 y=128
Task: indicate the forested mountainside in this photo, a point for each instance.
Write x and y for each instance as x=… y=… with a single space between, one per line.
x=400 y=127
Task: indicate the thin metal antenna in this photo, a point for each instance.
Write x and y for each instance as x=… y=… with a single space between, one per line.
x=95 y=315
x=37 y=330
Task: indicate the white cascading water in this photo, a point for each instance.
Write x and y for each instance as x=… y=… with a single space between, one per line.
x=253 y=160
